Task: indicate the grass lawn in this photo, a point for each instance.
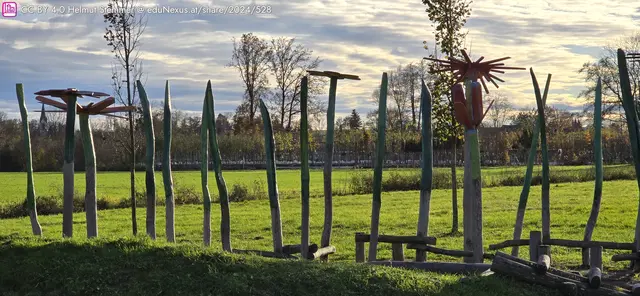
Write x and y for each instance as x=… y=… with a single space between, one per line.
x=250 y=228
x=114 y=186
x=122 y=266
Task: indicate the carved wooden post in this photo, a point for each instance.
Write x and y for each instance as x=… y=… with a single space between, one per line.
x=328 y=198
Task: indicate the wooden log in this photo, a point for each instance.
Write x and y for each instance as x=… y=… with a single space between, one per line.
x=535 y=240
x=561 y=273
x=569 y=289
x=453 y=253
x=360 y=252
x=509 y=243
x=398 y=252
x=297 y=249
x=444 y=267
x=428 y=240
x=589 y=244
x=625 y=257
x=322 y=252
x=635 y=290
x=595 y=257
x=502 y=265
x=544 y=258
x=265 y=254
x=595 y=277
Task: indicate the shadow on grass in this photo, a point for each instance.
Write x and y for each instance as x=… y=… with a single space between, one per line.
x=141 y=267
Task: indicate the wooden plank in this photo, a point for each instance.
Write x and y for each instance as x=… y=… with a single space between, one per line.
x=625 y=257
x=444 y=267
x=364 y=237
x=265 y=254
x=322 y=252
x=398 y=252
x=569 y=289
x=333 y=74
x=509 y=243
x=360 y=252
x=453 y=253
x=589 y=244
x=635 y=290
x=535 y=240
x=504 y=266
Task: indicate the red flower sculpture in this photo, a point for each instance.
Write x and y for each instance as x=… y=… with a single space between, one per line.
x=469 y=69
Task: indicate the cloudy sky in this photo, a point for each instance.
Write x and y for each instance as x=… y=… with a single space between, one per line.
x=359 y=37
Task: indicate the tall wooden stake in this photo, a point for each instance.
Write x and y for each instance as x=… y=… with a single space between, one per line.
x=31 y=192
x=524 y=194
x=167 y=178
x=225 y=215
x=304 y=158
x=204 y=171
x=150 y=178
x=68 y=169
x=377 y=172
x=272 y=182
x=90 y=201
x=427 y=169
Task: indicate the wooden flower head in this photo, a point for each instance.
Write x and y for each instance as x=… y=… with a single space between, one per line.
x=99 y=108
x=471 y=116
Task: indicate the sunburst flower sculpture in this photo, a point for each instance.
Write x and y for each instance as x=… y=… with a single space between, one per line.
x=99 y=108
x=473 y=71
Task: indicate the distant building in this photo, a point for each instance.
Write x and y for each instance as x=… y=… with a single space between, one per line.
x=43 y=119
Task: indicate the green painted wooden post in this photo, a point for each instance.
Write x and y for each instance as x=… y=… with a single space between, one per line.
x=90 y=200
x=546 y=213
x=272 y=182
x=377 y=172
x=328 y=162
x=167 y=178
x=631 y=115
x=426 y=180
x=150 y=179
x=304 y=159
x=204 y=170
x=31 y=192
x=225 y=217
x=526 y=187
x=472 y=194
x=597 y=154
x=68 y=167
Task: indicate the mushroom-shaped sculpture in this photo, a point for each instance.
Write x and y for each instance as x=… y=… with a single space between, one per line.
x=69 y=97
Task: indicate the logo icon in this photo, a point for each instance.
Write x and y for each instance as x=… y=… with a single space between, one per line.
x=9 y=9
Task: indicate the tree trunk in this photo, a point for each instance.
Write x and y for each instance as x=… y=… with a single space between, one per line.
x=328 y=161
x=167 y=178
x=150 y=179
x=31 y=192
x=90 y=202
x=67 y=169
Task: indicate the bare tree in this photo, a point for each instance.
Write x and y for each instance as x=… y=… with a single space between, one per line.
x=500 y=110
x=399 y=92
x=251 y=57
x=124 y=28
x=606 y=68
x=289 y=62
